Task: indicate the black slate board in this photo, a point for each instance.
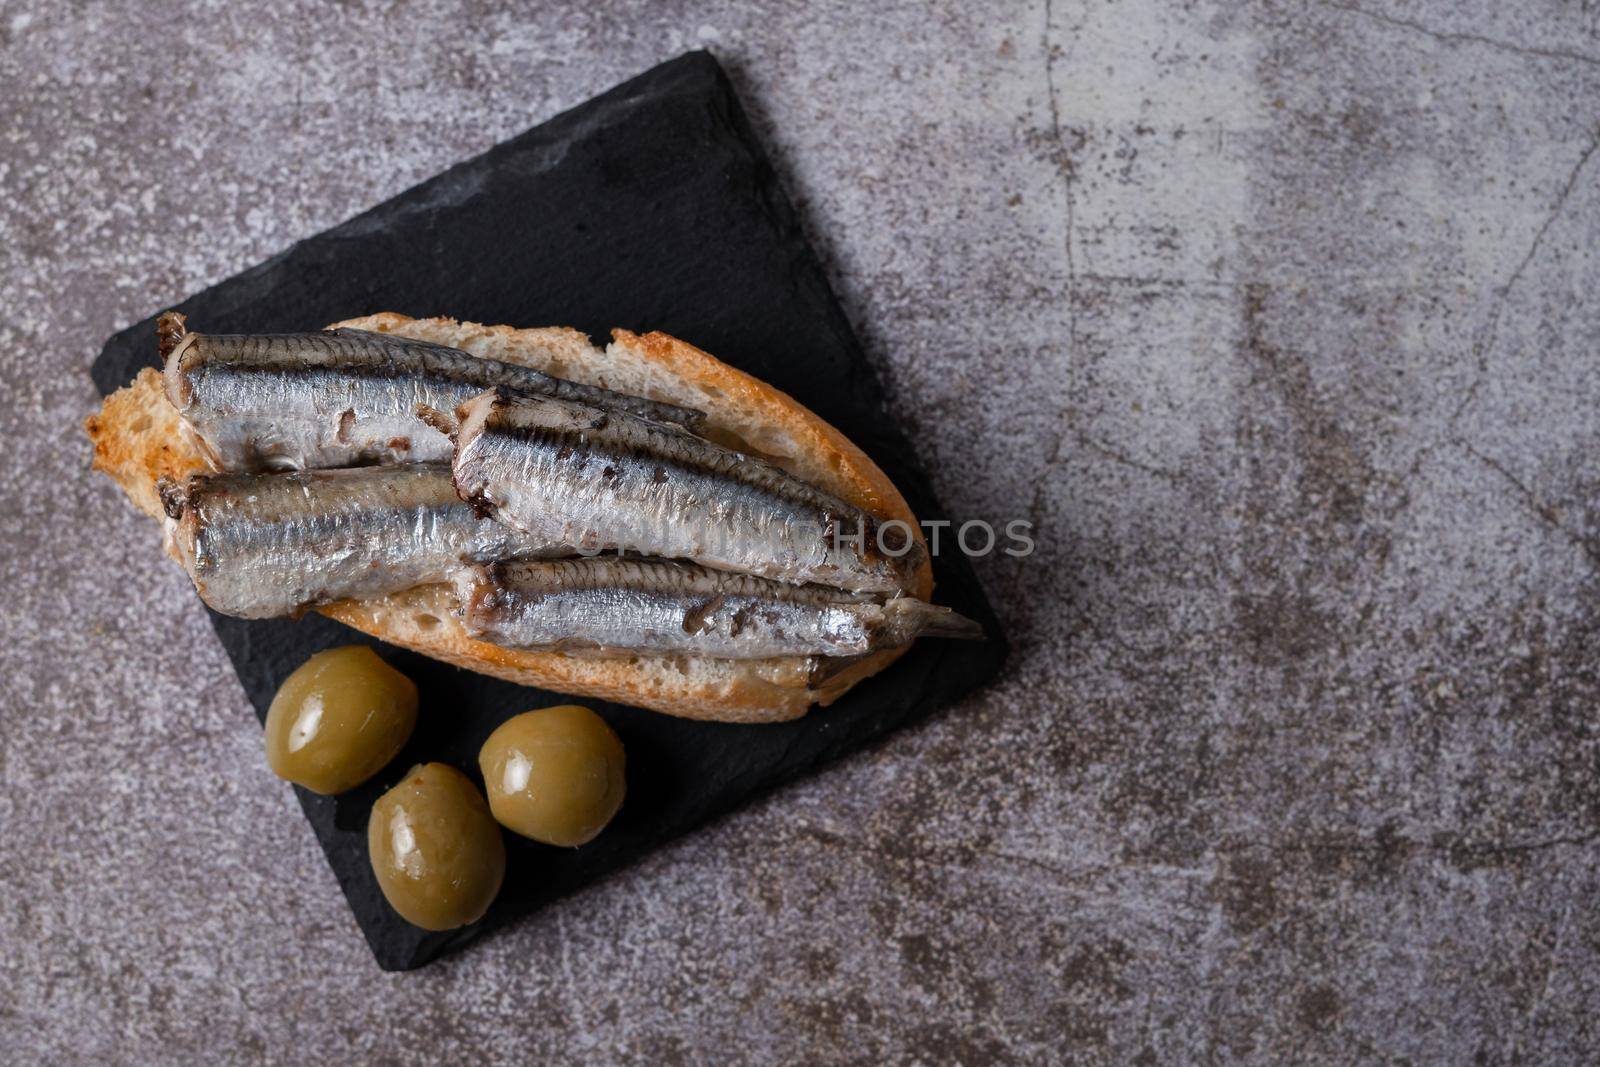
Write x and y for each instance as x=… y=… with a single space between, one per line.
x=649 y=207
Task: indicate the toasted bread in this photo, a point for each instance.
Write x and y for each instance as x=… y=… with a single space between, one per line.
x=139 y=438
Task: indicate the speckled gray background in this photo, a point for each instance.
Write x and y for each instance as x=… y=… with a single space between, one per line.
x=1281 y=320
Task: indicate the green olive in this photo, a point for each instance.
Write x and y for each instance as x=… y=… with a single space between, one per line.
x=435 y=849
x=338 y=719
x=555 y=775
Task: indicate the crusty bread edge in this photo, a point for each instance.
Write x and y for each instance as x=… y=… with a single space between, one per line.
x=139 y=438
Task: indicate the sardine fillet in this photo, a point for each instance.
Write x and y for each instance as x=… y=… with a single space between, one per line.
x=267 y=545
x=612 y=605
x=343 y=397
x=606 y=481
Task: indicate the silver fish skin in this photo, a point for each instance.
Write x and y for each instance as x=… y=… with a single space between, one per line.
x=607 y=481
x=610 y=604
x=265 y=545
x=343 y=397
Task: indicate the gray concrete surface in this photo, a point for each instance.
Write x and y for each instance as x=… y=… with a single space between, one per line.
x=1279 y=318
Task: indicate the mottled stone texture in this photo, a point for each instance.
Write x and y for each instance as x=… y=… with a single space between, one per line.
x=1280 y=319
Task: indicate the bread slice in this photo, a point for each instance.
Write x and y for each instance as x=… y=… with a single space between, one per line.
x=139 y=438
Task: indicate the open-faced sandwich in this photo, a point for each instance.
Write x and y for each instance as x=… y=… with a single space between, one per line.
x=640 y=523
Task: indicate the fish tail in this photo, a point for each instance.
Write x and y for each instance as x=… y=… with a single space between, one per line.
x=170 y=330
x=444 y=422
x=479 y=593
x=907 y=618
x=174 y=497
